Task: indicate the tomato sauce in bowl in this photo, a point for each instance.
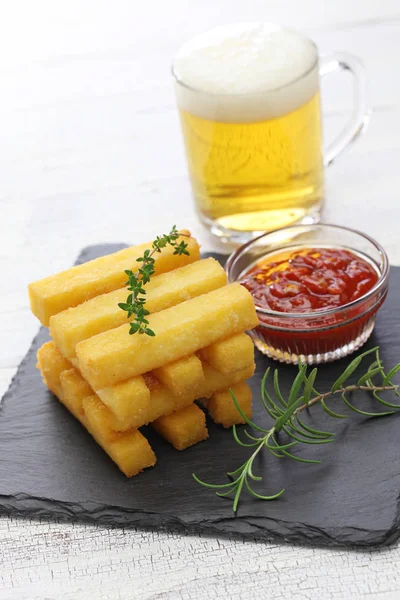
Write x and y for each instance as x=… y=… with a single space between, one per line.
x=305 y=280
x=316 y=302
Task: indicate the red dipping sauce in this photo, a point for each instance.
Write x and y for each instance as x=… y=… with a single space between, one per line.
x=313 y=302
x=310 y=280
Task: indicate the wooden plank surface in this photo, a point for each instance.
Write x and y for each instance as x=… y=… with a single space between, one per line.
x=91 y=151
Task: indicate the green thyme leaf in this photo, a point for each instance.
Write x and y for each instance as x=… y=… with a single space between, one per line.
x=135 y=305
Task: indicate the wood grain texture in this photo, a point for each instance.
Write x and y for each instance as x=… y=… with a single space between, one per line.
x=89 y=128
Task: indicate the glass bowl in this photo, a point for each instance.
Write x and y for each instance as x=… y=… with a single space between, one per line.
x=322 y=335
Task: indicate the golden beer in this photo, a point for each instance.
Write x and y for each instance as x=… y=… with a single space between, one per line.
x=253 y=134
x=256 y=176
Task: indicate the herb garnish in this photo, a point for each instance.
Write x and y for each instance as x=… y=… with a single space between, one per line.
x=285 y=413
x=135 y=303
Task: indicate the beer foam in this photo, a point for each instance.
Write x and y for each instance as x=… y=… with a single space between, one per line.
x=246 y=72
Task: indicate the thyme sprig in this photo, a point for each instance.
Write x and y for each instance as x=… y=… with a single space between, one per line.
x=135 y=303
x=287 y=422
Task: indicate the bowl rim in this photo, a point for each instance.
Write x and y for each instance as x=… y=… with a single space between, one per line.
x=382 y=280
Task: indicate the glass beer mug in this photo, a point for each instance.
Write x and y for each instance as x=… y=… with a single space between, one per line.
x=249 y=103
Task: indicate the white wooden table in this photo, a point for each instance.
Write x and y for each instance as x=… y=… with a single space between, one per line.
x=91 y=152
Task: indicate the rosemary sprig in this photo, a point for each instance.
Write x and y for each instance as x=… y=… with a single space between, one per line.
x=287 y=421
x=135 y=303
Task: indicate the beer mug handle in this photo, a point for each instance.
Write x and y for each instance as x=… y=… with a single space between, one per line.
x=361 y=114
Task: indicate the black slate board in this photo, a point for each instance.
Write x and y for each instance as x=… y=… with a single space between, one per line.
x=50 y=467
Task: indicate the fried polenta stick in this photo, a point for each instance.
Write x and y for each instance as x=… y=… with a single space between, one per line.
x=183 y=428
x=222 y=409
x=56 y=293
x=51 y=364
x=161 y=400
x=102 y=313
x=215 y=381
x=129 y=450
x=127 y=406
x=182 y=376
x=229 y=355
x=181 y=330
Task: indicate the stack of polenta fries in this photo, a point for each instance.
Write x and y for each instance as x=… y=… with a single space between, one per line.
x=114 y=383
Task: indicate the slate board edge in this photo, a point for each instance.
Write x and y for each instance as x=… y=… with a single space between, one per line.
x=247 y=527
x=267 y=530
